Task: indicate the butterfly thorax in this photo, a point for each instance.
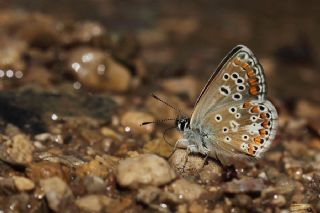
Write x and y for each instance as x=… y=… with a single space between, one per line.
x=182 y=123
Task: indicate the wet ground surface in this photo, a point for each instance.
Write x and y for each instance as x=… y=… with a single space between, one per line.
x=73 y=93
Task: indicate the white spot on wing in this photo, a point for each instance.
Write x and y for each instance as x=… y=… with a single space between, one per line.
x=234 y=125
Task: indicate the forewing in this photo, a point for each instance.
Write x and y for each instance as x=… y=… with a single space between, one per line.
x=238 y=78
x=242 y=128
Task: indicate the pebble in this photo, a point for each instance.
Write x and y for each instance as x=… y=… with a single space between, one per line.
x=93 y=203
x=23 y=184
x=301 y=208
x=100 y=167
x=211 y=173
x=193 y=165
x=156 y=171
x=16 y=150
x=132 y=121
x=56 y=192
x=278 y=200
x=43 y=170
x=148 y=194
x=158 y=146
x=94 y=184
x=185 y=190
x=244 y=185
x=97 y=70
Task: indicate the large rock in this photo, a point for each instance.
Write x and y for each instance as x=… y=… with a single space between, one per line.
x=147 y=169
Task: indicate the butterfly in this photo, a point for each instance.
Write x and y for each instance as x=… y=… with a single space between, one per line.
x=232 y=119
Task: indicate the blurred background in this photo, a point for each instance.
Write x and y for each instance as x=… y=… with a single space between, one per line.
x=179 y=37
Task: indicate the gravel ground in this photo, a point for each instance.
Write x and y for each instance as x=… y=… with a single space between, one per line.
x=73 y=95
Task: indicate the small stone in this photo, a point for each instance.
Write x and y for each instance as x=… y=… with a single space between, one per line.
x=301 y=208
x=244 y=185
x=23 y=184
x=110 y=133
x=97 y=70
x=100 y=166
x=148 y=194
x=158 y=146
x=278 y=200
x=186 y=190
x=193 y=165
x=94 y=184
x=17 y=150
x=132 y=121
x=284 y=186
x=56 y=191
x=43 y=170
x=93 y=203
x=146 y=169
x=211 y=173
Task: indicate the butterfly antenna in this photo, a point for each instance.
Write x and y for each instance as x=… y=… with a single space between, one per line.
x=164 y=135
x=169 y=105
x=157 y=121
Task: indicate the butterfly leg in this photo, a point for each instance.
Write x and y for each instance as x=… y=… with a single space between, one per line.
x=184 y=143
x=191 y=148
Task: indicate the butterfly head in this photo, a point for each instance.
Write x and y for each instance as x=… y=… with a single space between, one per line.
x=182 y=123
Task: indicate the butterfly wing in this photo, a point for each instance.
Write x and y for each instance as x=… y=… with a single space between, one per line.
x=244 y=128
x=238 y=83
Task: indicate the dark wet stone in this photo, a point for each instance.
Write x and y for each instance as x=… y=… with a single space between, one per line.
x=32 y=111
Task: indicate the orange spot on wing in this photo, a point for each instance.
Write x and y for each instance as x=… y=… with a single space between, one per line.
x=252 y=81
x=265 y=124
x=255 y=109
x=245 y=66
x=263 y=115
x=257 y=140
x=253 y=91
x=250 y=149
x=262 y=132
x=246 y=104
x=237 y=61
